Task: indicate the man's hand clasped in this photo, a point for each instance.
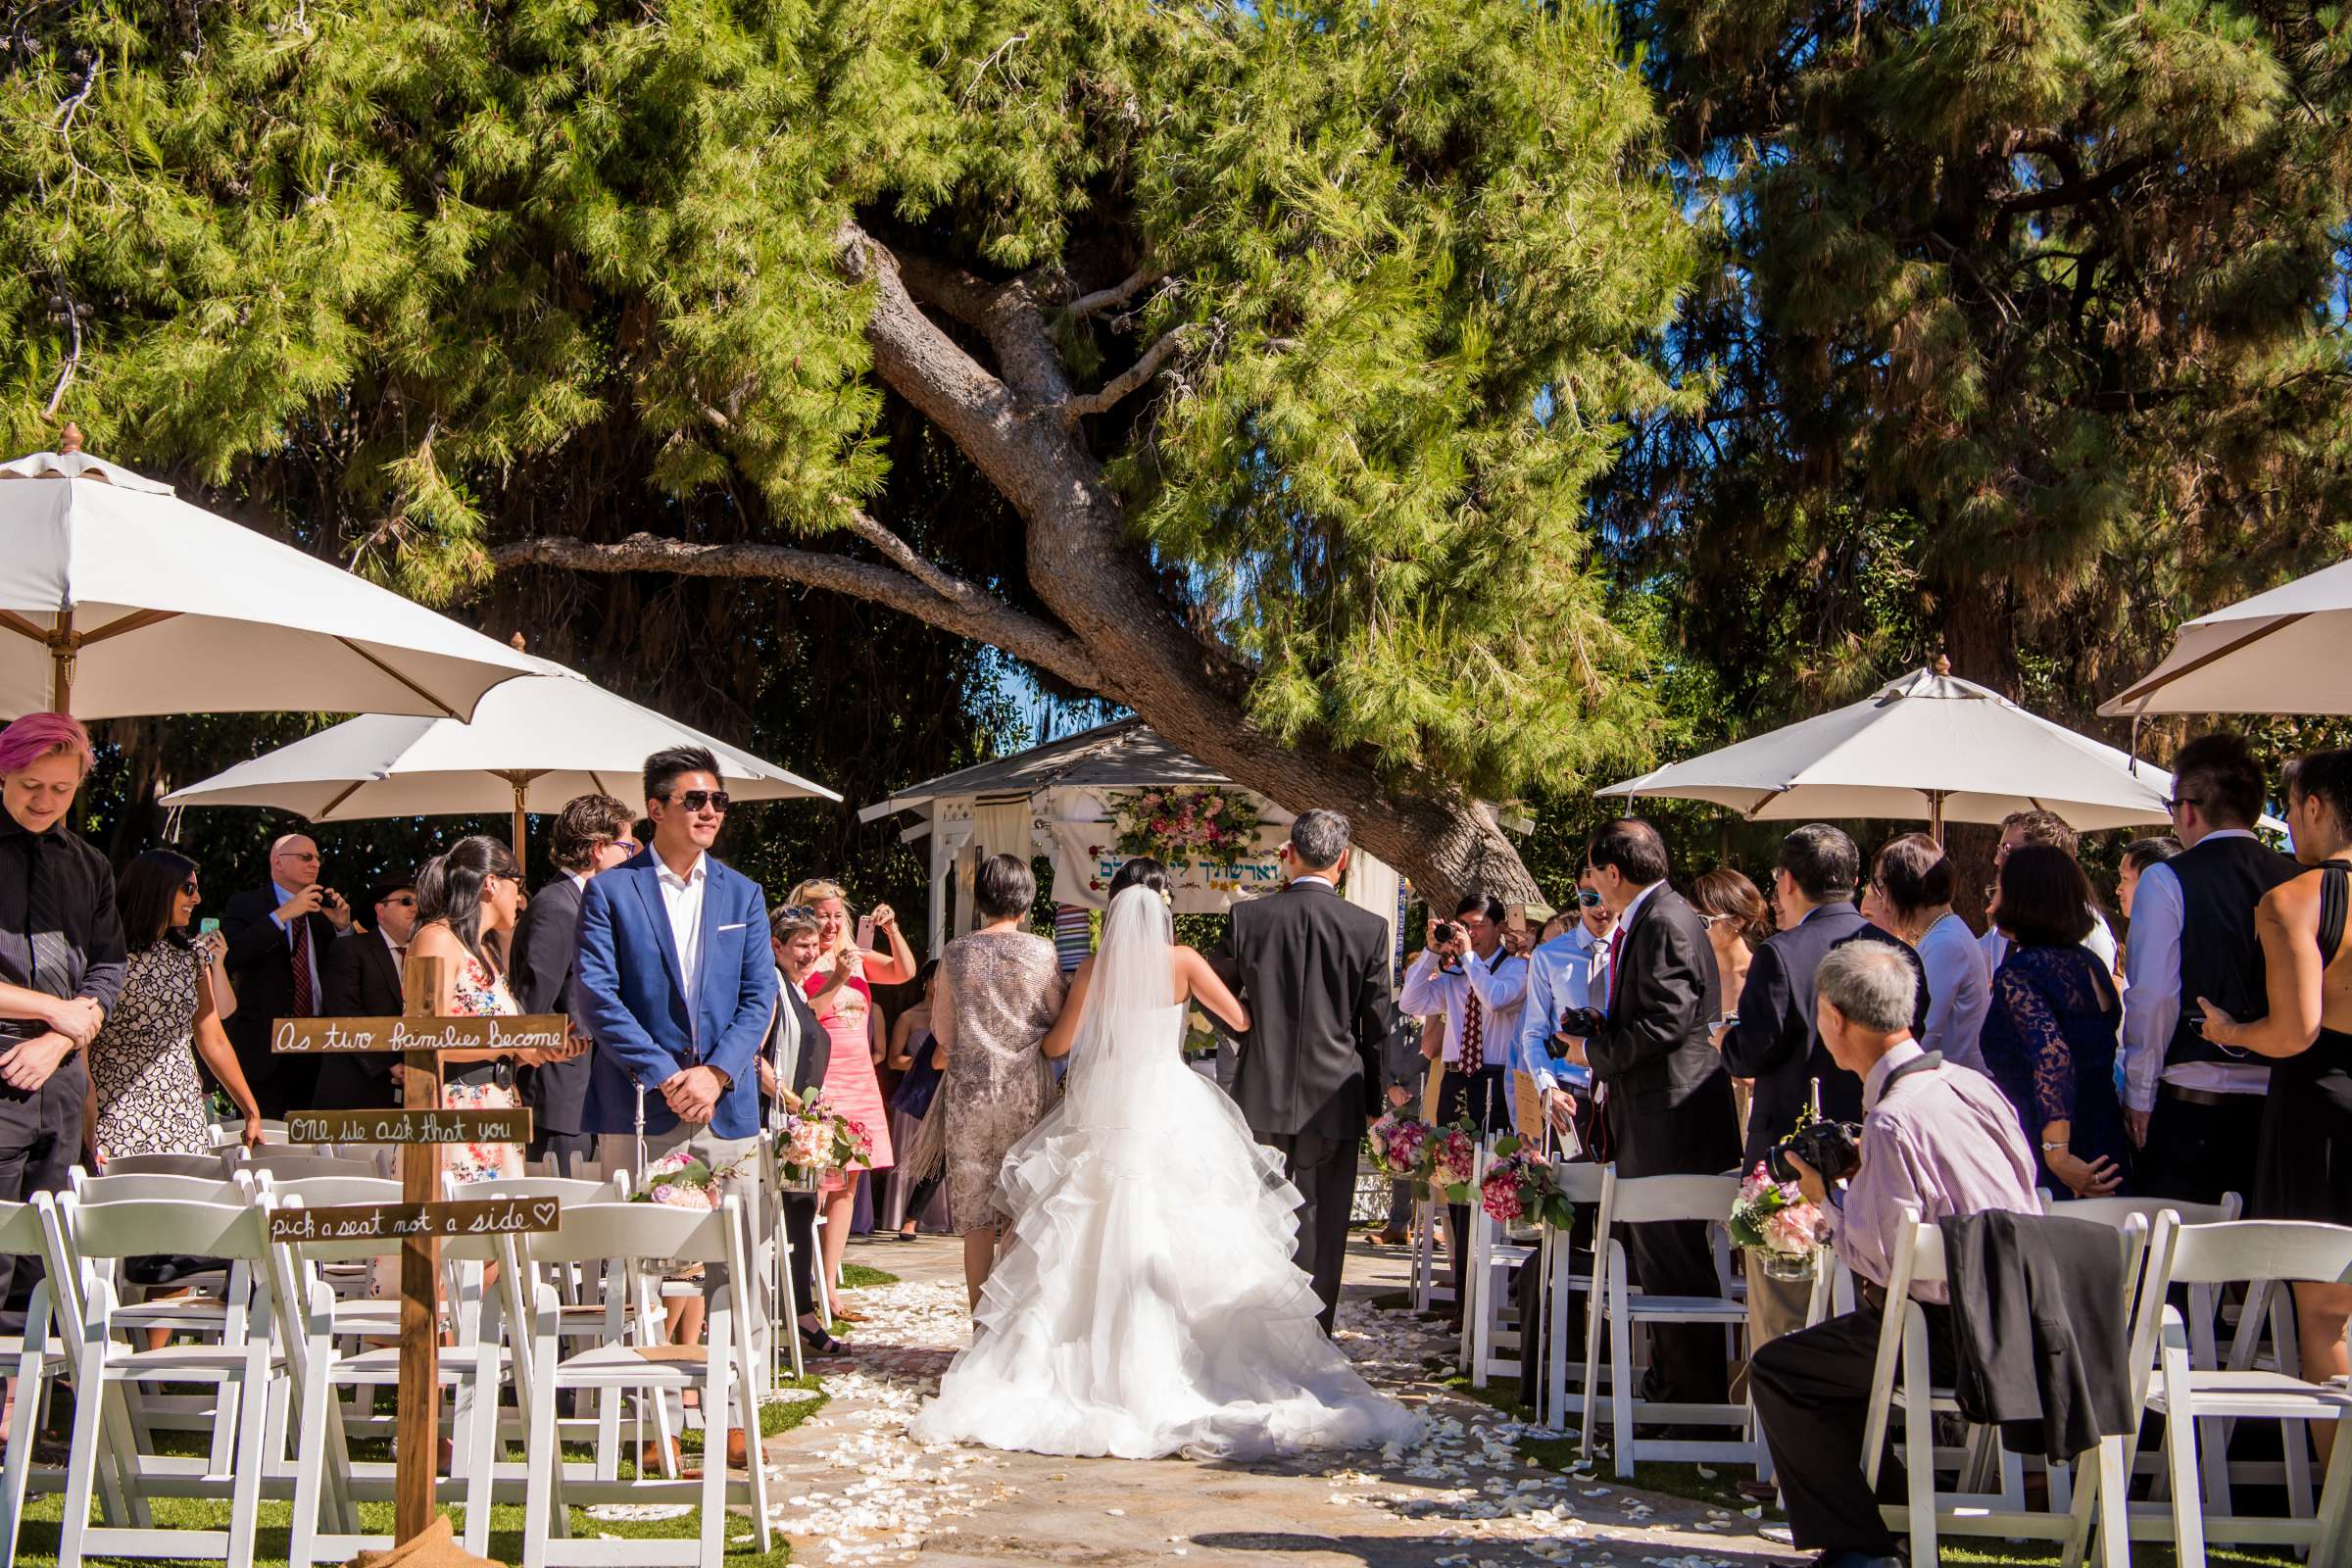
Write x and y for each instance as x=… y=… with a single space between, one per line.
x=27 y=1064
x=692 y=1094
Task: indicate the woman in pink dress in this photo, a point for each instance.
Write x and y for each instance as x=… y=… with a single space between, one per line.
x=840 y=995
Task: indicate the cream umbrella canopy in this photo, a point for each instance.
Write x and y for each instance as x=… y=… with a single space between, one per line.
x=534 y=744
x=1928 y=746
x=2288 y=650
x=119 y=598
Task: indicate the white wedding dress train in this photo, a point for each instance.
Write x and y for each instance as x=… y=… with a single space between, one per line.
x=1147 y=1304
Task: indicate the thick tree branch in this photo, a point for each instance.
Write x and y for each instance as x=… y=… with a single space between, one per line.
x=1126 y=381
x=2075 y=192
x=1113 y=297
x=957 y=606
x=965 y=296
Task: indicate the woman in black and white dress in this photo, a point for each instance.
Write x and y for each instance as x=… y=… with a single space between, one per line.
x=146 y=1096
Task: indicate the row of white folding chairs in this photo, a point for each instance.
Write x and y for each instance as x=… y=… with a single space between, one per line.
x=106 y=1452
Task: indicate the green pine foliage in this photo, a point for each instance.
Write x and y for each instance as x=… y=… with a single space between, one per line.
x=396 y=274
x=2024 y=333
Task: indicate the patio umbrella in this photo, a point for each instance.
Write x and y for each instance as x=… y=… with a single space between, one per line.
x=1929 y=746
x=119 y=598
x=534 y=744
x=2288 y=650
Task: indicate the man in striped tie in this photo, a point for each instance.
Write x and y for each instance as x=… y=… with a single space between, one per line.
x=278 y=938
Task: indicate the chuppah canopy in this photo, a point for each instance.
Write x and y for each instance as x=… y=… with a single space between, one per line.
x=534 y=744
x=118 y=598
x=2288 y=650
x=1929 y=746
x=1073 y=800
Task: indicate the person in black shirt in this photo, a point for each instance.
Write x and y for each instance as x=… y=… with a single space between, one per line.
x=62 y=963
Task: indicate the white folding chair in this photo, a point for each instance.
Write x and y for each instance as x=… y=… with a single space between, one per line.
x=229 y=1137
x=771 y=1248
x=304 y=1164
x=1649 y=1200
x=2167 y=1380
x=1490 y=1318
x=1926 y=1512
x=1581 y=1181
x=37 y=1360
x=315 y=1332
x=207 y=1167
x=245 y=1363
x=626 y=1237
x=583 y=1315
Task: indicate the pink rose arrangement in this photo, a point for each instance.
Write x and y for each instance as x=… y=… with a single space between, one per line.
x=1773 y=1218
x=681 y=1180
x=1187 y=827
x=1398 y=1144
x=1452 y=1156
x=1522 y=1185
x=817 y=1142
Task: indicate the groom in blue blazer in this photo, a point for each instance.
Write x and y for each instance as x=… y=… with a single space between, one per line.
x=675 y=982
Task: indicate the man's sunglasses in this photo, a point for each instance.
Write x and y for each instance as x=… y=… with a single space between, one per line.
x=795 y=913
x=697 y=800
x=405 y=901
x=1588 y=897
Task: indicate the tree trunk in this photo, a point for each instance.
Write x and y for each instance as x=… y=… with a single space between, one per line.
x=1118 y=636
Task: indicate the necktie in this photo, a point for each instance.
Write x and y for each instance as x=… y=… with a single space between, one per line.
x=1616 y=945
x=306 y=1000
x=1473 y=1034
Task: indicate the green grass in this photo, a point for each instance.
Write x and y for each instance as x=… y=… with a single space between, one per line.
x=1722 y=1492
x=857 y=1277
x=37 y=1541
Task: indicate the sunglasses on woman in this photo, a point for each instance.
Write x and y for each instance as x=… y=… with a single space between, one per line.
x=189 y=886
x=697 y=800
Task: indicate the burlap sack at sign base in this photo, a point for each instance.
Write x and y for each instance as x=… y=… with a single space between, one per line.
x=437 y=1547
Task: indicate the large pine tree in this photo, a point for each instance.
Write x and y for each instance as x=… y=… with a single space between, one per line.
x=2023 y=335
x=1246 y=365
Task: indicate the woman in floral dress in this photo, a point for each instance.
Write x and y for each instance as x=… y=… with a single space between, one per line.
x=145 y=1094
x=467 y=901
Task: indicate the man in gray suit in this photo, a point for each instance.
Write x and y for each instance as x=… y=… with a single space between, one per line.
x=591 y=834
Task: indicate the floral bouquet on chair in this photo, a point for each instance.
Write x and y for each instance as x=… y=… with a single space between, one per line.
x=682 y=1180
x=1448 y=1159
x=1773 y=1221
x=1522 y=1185
x=816 y=1142
x=1398 y=1144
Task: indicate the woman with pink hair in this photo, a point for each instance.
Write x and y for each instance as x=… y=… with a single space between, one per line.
x=62 y=958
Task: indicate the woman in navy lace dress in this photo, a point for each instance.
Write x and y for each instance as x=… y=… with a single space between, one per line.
x=2049 y=1040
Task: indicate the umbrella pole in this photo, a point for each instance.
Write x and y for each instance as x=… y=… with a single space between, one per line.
x=520 y=827
x=1935 y=816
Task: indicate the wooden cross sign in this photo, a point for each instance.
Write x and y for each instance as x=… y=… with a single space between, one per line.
x=420 y=1126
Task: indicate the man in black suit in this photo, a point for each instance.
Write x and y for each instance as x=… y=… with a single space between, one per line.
x=278 y=935
x=591 y=834
x=1666 y=1097
x=361 y=979
x=1314 y=970
x=1776 y=1041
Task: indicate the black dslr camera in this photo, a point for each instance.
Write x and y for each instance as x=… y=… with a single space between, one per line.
x=1832 y=1147
x=1579 y=1023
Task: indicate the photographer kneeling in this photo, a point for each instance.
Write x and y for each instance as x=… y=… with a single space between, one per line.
x=1937 y=1138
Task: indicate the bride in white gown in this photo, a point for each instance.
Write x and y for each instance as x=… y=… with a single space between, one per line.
x=1147 y=1304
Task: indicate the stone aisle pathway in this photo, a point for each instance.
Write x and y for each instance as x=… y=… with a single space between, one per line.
x=852 y=1488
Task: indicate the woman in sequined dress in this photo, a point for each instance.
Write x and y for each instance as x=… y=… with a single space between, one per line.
x=999 y=991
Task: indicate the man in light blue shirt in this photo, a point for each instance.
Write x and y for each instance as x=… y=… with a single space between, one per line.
x=1571 y=970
